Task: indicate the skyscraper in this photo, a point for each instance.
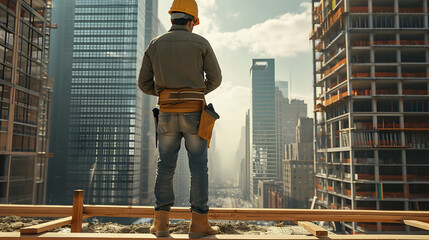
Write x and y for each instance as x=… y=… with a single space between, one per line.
x=264 y=159
x=25 y=97
x=371 y=87
x=283 y=87
x=101 y=129
x=298 y=165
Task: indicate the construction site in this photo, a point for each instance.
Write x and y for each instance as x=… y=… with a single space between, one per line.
x=371 y=107
x=371 y=133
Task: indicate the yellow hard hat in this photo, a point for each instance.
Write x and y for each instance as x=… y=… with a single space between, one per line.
x=186 y=6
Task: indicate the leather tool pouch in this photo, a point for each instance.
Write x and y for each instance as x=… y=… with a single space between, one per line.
x=207 y=122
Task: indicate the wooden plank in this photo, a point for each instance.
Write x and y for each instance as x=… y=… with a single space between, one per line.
x=77 y=214
x=124 y=236
x=222 y=213
x=44 y=227
x=317 y=231
x=417 y=224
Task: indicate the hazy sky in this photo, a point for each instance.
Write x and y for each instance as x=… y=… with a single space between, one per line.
x=240 y=30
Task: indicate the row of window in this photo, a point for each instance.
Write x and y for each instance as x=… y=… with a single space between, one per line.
x=105 y=65
x=101 y=73
x=131 y=16
x=103 y=110
x=120 y=31
x=77 y=41
x=105 y=24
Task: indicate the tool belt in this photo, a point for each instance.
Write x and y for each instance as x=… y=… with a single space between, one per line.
x=189 y=100
x=181 y=100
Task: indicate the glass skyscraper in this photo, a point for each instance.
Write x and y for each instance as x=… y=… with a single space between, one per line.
x=100 y=124
x=264 y=163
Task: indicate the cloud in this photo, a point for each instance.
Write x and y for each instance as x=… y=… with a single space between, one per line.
x=283 y=36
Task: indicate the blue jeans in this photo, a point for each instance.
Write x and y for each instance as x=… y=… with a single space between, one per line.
x=172 y=128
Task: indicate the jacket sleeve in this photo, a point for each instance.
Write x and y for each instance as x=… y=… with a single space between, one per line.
x=212 y=70
x=146 y=80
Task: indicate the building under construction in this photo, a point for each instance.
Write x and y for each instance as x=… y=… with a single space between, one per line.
x=371 y=80
x=25 y=96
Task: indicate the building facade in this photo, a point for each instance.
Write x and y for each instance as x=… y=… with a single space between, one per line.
x=264 y=151
x=371 y=96
x=25 y=99
x=101 y=121
x=298 y=167
x=288 y=113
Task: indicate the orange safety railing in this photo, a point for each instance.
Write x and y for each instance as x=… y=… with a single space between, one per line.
x=388 y=125
x=358 y=9
x=410 y=75
x=416 y=125
x=348 y=192
x=338 y=65
x=413 y=177
x=386 y=42
x=383 y=9
x=319 y=186
x=331 y=189
x=414 y=42
x=332 y=19
x=360 y=43
x=419 y=195
x=393 y=195
x=387 y=91
x=362 y=92
x=366 y=194
x=366 y=177
x=411 y=10
x=414 y=92
x=361 y=75
x=390 y=177
x=386 y=75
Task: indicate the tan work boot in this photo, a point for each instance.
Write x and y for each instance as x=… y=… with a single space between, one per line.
x=160 y=225
x=200 y=226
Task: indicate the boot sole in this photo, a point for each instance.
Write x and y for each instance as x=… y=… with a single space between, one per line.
x=162 y=233
x=198 y=235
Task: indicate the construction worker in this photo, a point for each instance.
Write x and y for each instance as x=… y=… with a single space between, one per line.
x=180 y=67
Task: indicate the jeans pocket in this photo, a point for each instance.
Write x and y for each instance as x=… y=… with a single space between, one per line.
x=190 y=122
x=164 y=124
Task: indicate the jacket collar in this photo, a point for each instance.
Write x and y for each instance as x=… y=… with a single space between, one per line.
x=178 y=28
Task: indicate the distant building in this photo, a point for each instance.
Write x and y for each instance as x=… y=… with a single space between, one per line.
x=25 y=100
x=102 y=130
x=287 y=114
x=298 y=173
x=293 y=111
x=245 y=169
x=270 y=194
x=283 y=87
x=264 y=158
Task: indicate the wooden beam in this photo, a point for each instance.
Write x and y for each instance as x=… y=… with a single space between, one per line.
x=126 y=236
x=77 y=215
x=317 y=231
x=417 y=224
x=44 y=227
x=222 y=213
x=36 y=229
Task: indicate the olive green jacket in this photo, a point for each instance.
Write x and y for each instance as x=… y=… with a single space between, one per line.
x=179 y=59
